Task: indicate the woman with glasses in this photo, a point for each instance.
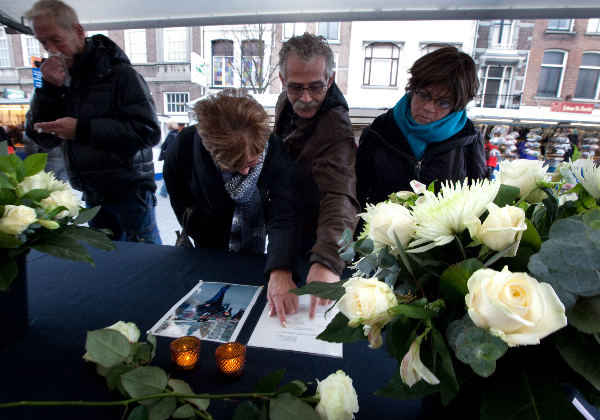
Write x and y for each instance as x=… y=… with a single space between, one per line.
x=231 y=184
x=426 y=136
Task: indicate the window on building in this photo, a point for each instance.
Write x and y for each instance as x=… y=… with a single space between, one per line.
x=429 y=47
x=175 y=44
x=560 y=24
x=589 y=76
x=495 y=85
x=551 y=73
x=502 y=33
x=4 y=49
x=593 y=26
x=381 y=64
x=329 y=30
x=252 y=62
x=293 y=29
x=31 y=48
x=135 y=45
x=222 y=56
x=175 y=102
x=336 y=57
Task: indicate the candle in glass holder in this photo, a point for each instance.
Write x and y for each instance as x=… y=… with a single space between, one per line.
x=231 y=358
x=185 y=352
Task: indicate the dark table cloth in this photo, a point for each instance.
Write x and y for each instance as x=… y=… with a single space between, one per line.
x=140 y=283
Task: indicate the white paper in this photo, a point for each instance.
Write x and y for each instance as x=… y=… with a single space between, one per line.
x=301 y=332
x=210 y=311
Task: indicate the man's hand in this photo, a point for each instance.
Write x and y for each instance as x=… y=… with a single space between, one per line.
x=54 y=70
x=280 y=301
x=63 y=127
x=318 y=272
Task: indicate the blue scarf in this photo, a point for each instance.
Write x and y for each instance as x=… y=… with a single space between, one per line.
x=420 y=135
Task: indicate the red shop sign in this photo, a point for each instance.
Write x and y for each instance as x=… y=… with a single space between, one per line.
x=578 y=107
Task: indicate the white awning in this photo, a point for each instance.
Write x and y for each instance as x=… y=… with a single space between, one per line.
x=120 y=14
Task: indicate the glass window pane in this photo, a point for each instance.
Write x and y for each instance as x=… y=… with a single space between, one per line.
x=549 y=81
x=553 y=57
x=587 y=84
x=495 y=71
x=4 y=51
x=593 y=25
x=590 y=59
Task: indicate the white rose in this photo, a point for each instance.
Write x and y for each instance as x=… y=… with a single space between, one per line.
x=514 y=306
x=412 y=369
x=128 y=329
x=338 y=399
x=502 y=227
x=65 y=199
x=16 y=219
x=523 y=174
x=386 y=221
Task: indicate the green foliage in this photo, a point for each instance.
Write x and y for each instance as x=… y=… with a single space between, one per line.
x=338 y=331
x=453 y=282
x=288 y=406
x=507 y=195
x=107 y=347
x=582 y=352
x=585 y=315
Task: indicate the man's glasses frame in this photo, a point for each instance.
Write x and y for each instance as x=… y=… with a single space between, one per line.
x=315 y=89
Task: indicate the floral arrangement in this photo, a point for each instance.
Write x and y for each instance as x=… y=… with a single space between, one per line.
x=490 y=286
x=39 y=212
x=124 y=361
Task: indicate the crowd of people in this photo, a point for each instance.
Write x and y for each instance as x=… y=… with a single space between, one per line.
x=234 y=183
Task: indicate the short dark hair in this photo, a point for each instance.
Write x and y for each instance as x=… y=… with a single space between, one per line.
x=233 y=126
x=308 y=47
x=449 y=67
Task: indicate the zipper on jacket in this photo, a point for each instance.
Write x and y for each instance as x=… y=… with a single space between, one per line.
x=418 y=168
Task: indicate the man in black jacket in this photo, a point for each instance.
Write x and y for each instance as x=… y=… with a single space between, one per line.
x=99 y=109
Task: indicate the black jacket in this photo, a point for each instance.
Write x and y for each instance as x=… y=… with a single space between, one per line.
x=193 y=180
x=111 y=155
x=385 y=163
x=170 y=138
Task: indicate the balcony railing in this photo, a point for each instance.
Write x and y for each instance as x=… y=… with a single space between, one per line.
x=498 y=101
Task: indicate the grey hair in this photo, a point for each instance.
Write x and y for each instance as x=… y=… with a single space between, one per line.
x=308 y=47
x=63 y=14
x=172 y=125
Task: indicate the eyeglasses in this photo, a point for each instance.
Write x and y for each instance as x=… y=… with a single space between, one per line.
x=296 y=89
x=443 y=104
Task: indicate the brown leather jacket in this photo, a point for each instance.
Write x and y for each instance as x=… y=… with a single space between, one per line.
x=324 y=151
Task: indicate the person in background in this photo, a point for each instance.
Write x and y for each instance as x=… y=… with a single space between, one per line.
x=173 y=128
x=311 y=117
x=99 y=110
x=426 y=136
x=231 y=185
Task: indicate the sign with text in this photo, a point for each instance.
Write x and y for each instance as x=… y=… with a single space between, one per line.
x=199 y=70
x=579 y=107
x=36 y=73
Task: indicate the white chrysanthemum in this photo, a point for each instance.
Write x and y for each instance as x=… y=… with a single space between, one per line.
x=439 y=217
x=588 y=175
x=41 y=181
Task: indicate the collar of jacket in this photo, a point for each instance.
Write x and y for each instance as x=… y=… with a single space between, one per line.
x=99 y=55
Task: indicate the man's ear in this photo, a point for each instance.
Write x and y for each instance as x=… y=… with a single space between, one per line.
x=331 y=80
x=78 y=29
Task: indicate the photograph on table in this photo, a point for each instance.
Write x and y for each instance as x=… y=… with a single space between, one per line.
x=210 y=311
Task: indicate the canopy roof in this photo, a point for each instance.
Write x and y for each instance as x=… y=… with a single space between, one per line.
x=122 y=14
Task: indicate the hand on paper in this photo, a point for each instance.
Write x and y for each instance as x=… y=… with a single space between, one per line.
x=318 y=272
x=280 y=301
x=63 y=127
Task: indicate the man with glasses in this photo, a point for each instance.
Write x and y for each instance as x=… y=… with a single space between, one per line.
x=426 y=136
x=311 y=117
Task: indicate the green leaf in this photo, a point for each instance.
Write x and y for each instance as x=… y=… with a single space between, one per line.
x=162 y=409
x=453 y=282
x=182 y=387
x=401 y=332
x=569 y=260
x=592 y=218
x=507 y=194
x=287 y=406
x=113 y=377
x=184 y=412
x=9 y=241
x=13 y=165
x=348 y=254
x=346 y=238
x=65 y=247
x=475 y=346
x=413 y=310
x=522 y=395
x=143 y=381
x=138 y=413
x=445 y=370
x=141 y=353
x=3 y=148
x=270 y=382
x=364 y=246
x=36 y=195
x=85 y=215
x=8 y=272
x=107 y=347
x=585 y=315
x=295 y=387
x=90 y=236
x=246 y=411
x=581 y=352
x=338 y=331
x=399 y=390
x=331 y=291
x=35 y=163
x=152 y=340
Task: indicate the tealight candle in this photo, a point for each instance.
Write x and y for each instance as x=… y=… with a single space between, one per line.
x=185 y=352
x=231 y=358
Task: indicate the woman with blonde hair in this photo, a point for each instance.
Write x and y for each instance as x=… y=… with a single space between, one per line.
x=235 y=181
